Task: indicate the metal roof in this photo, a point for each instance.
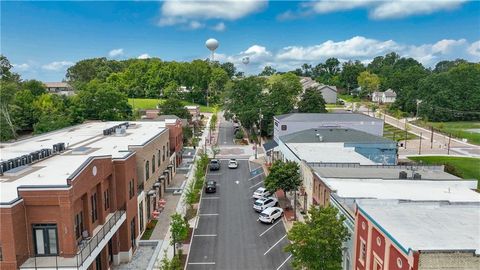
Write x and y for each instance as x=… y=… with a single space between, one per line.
x=318 y=117
x=333 y=134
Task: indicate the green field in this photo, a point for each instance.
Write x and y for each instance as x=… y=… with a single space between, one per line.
x=464 y=167
x=349 y=98
x=457 y=129
x=151 y=103
x=396 y=134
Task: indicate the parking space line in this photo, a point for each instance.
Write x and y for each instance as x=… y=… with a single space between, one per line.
x=256 y=184
x=288 y=258
x=201 y=263
x=278 y=221
x=274 y=245
x=208 y=214
x=205 y=235
x=210 y=198
x=251 y=178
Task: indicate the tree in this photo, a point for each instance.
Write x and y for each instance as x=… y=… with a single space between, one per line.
x=312 y=102
x=174 y=106
x=179 y=229
x=173 y=264
x=368 y=82
x=229 y=68
x=267 y=71
x=37 y=88
x=317 y=243
x=349 y=74
x=284 y=176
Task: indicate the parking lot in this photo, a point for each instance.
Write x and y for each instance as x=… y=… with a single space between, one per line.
x=228 y=234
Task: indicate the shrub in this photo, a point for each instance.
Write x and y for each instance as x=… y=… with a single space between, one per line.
x=239 y=134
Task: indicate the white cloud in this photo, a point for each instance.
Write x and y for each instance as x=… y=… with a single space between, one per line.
x=21 y=67
x=219 y=27
x=195 y=25
x=57 y=65
x=377 y=9
x=143 y=56
x=115 y=52
x=474 y=48
x=355 y=48
x=176 y=12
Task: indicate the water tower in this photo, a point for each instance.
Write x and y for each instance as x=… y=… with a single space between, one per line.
x=212 y=45
x=246 y=60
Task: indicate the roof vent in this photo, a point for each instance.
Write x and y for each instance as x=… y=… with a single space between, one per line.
x=402 y=175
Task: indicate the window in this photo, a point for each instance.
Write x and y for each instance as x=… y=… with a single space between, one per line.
x=399 y=262
x=147 y=170
x=284 y=127
x=131 y=189
x=163 y=156
x=45 y=239
x=1 y=254
x=153 y=164
x=110 y=251
x=93 y=201
x=78 y=224
x=106 y=198
x=132 y=232
x=363 y=251
x=159 y=161
x=168 y=149
x=276 y=123
x=140 y=216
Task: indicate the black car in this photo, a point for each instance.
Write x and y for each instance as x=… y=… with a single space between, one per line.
x=214 y=165
x=211 y=187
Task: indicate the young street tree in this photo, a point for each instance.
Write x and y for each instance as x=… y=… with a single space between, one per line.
x=283 y=175
x=317 y=243
x=179 y=229
x=312 y=102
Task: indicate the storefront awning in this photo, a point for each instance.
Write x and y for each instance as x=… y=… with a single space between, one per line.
x=270 y=145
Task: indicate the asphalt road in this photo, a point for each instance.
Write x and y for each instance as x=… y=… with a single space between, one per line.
x=225 y=135
x=228 y=235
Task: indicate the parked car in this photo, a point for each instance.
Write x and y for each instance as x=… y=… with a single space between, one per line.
x=232 y=164
x=214 y=165
x=260 y=193
x=271 y=214
x=263 y=203
x=211 y=186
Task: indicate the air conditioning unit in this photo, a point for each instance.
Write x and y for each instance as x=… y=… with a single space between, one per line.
x=417 y=176
x=402 y=175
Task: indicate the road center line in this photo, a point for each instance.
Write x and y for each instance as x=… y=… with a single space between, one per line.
x=250 y=179
x=256 y=184
x=208 y=214
x=202 y=263
x=205 y=235
x=274 y=245
x=210 y=198
x=278 y=221
x=288 y=258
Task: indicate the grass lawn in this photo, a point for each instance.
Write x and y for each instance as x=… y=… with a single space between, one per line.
x=460 y=129
x=349 y=98
x=464 y=167
x=396 y=134
x=151 y=103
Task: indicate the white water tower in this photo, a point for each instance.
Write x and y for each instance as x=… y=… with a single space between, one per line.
x=246 y=60
x=212 y=45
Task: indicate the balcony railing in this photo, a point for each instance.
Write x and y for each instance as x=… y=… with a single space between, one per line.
x=86 y=250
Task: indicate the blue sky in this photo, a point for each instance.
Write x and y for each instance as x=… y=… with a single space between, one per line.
x=42 y=39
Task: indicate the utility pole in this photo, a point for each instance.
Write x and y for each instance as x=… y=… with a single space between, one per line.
x=449 y=137
x=420 y=145
x=406 y=133
x=431 y=138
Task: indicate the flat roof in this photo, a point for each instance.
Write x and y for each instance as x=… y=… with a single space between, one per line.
x=427 y=226
x=333 y=134
x=328 y=153
x=404 y=189
x=326 y=117
x=382 y=172
x=82 y=142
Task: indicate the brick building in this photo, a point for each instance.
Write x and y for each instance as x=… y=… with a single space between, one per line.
x=71 y=198
x=404 y=235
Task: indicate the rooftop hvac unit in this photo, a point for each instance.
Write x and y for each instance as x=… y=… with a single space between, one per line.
x=61 y=146
x=106 y=132
x=417 y=176
x=3 y=167
x=402 y=175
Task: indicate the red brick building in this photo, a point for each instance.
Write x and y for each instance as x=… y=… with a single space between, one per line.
x=175 y=130
x=74 y=204
x=403 y=235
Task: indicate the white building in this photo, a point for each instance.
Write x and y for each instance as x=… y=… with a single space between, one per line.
x=388 y=96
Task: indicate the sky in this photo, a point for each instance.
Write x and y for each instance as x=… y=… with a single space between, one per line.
x=42 y=39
